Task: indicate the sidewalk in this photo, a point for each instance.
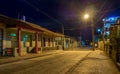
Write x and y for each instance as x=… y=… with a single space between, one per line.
x=4 y=60
x=96 y=63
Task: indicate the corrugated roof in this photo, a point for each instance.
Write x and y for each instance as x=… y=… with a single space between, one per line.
x=37 y=27
x=10 y=22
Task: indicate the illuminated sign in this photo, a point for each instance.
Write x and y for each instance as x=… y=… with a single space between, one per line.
x=13 y=34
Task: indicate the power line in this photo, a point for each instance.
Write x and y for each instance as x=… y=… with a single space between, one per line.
x=44 y=13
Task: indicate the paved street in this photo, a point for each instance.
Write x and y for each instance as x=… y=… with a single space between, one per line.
x=67 y=62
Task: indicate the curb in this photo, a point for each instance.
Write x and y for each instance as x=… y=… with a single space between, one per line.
x=27 y=58
x=118 y=66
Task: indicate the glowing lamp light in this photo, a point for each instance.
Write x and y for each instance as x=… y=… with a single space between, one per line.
x=98 y=30
x=103 y=19
x=109 y=19
x=112 y=18
x=13 y=34
x=107 y=33
x=86 y=16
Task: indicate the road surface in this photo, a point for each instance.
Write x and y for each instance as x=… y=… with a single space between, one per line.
x=67 y=62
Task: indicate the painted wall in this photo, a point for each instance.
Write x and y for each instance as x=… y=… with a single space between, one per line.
x=100 y=45
x=50 y=42
x=58 y=42
x=3 y=41
x=10 y=40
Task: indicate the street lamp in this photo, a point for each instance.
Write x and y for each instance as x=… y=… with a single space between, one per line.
x=86 y=16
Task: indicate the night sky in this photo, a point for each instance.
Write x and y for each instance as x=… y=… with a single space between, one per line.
x=52 y=13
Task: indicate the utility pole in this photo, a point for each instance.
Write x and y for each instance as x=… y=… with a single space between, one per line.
x=104 y=34
x=86 y=16
x=92 y=24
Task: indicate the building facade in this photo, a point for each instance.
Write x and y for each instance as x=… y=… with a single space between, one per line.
x=114 y=49
x=19 y=37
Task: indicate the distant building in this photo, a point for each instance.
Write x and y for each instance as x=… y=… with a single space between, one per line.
x=115 y=41
x=107 y=23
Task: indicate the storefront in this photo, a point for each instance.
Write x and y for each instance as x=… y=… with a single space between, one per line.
x=21 y=37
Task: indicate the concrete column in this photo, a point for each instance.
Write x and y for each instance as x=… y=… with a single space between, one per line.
x=53 y=39
x=36 y=42
x=46 y=42
x=42 y=42
x=19 y=41
x=68 y=43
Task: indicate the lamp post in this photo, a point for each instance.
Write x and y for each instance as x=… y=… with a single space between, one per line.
x=86 y=16
x=92 y=24
x=103 y=34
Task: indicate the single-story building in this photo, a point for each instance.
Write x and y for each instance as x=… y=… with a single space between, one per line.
x=19 y=37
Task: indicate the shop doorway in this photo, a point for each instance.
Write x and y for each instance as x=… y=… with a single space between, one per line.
x=27 y=40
